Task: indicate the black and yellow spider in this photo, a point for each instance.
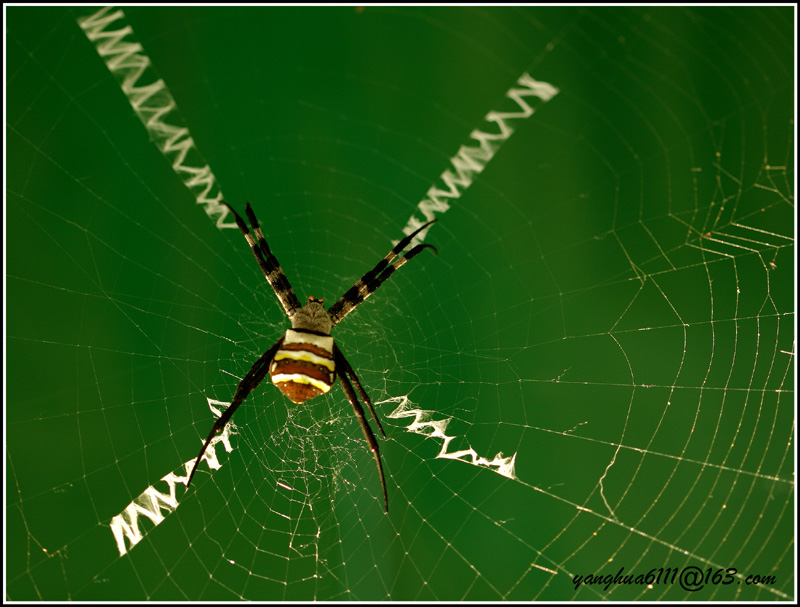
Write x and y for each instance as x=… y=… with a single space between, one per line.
x=305 y=362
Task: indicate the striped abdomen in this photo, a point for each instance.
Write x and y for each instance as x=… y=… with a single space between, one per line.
x=303 y=366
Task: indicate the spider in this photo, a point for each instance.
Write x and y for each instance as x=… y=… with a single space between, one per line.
x=305 y=362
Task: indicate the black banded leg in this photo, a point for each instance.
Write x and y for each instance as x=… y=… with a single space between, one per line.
x=367 y=284
x=341 y=360
x=362 y=420
x=266 y=260
x=398 y=263
x=250 y=381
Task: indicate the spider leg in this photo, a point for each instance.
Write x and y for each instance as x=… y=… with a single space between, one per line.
x=341 y=366
x=250 y=381
x=266 y=260
x=367 y=284
x=361 y=392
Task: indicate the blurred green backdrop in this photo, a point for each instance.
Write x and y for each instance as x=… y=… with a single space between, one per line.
x=612 y=302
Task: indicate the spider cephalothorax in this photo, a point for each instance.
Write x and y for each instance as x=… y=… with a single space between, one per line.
x=305 y=362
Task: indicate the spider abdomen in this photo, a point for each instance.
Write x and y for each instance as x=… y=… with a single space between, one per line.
x=303 y=366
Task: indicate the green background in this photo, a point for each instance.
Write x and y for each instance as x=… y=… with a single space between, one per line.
x=612 y=301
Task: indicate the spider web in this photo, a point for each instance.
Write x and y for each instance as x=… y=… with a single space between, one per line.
x=595 y=374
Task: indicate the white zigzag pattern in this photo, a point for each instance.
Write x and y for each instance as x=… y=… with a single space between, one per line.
x=152 y=504
x=126 y=60
x=471 y=160
x=426 y=426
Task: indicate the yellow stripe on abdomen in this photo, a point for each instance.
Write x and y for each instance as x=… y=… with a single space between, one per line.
x=303 y=367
